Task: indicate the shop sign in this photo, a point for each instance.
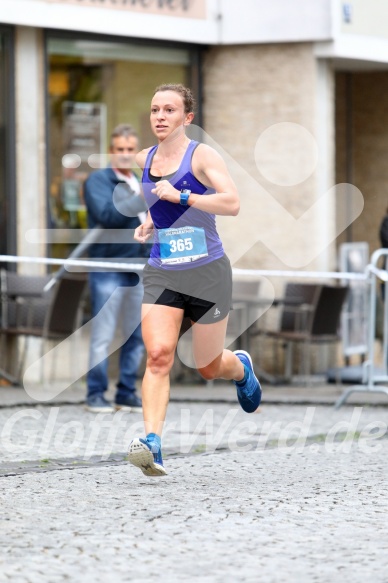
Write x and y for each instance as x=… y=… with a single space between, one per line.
x=182 y=8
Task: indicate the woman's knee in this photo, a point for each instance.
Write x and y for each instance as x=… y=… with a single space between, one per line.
x=210 y=372
x=160 y=359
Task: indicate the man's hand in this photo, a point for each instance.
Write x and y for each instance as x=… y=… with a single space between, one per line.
x=165 y=191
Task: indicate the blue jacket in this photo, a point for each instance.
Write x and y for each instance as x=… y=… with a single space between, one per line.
x=100 y=190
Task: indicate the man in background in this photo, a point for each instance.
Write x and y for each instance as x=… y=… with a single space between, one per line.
x=114 y=201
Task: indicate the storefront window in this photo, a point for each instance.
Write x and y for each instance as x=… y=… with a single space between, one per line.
x=93 y=86
x=7 y=146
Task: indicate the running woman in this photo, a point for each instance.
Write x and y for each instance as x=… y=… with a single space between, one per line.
x=185 y=184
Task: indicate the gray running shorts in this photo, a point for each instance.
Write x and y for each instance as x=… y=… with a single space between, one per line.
x=204 y=293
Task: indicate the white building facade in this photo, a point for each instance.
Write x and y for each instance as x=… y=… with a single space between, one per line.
x=291 y=93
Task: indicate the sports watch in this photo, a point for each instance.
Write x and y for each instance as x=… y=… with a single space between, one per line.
x=185 y=193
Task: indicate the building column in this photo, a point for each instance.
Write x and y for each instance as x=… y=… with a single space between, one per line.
x=325 y=172
x=275 y=90
x=30 y=142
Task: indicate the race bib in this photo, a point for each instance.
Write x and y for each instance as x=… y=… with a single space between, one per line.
x=182 y=245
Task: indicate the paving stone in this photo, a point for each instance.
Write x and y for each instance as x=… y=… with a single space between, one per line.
x=310 y=515
x=263 y=507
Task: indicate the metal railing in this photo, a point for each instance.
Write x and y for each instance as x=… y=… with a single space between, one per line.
x=372 y=273
x=370 y=379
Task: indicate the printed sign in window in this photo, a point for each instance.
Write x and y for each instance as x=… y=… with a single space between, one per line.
x=84 y=132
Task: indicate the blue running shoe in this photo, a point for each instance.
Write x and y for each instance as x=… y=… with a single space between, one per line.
x=249 y=389
x=142 y=455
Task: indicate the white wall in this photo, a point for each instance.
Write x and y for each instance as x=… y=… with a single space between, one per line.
x=120 y=22
x=226 y=21
x=265 y=21
x=367 y=18
x=361 y=43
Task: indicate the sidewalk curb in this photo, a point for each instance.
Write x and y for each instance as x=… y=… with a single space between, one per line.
x=9 y=469
x=211 y=401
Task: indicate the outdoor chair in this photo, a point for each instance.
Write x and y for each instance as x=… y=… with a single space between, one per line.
x=297 y=304
x=17 y=294
x=315 y=320
x=27 y=311
x=294 y=305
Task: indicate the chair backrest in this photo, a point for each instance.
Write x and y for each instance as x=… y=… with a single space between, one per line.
x=326 y=317
x=64 y=309
x=16 y=284
x=18 y=293
x=296 y=295
x=28 y=310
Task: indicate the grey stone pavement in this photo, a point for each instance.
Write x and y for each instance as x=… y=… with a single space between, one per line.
x=297 y=491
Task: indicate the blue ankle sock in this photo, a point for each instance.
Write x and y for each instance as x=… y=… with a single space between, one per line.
x=155 y=439
x=246 y=373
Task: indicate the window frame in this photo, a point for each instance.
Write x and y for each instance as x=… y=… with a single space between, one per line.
x=195 y=79
x=9 y=96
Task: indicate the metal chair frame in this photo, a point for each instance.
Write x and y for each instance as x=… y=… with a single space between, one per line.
x=27 y=311
x=315 y=320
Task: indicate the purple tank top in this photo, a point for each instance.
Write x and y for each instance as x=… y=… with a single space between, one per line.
x=184 y=237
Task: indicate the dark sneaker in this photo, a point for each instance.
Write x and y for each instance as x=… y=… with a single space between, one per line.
x=147 y=457
x=249 y=391
x=98 y=404
x=129 y=402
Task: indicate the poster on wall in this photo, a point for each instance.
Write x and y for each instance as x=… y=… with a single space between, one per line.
x=83 y=131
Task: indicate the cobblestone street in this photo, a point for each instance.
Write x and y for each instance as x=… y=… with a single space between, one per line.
x=292 y=493
x=193 y=228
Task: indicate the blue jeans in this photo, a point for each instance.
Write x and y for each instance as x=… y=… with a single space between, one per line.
x=115 y=301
